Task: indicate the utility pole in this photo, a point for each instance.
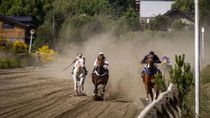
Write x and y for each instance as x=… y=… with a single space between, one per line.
x=32 y=31
x=53 y=29
x=197 y=60
x=203 y=47
x=53 y=25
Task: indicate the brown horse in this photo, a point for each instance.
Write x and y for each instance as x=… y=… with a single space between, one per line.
x=100 y=76
x=149 y=79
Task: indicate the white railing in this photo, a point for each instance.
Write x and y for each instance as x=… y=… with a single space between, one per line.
x=167 y=104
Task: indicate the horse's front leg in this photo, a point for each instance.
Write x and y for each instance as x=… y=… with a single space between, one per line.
x=151 y=93
x=146 y=91
x=157 y=92
x=96 y=89
x=102 y=94
x=82 y=81
x=75 y=86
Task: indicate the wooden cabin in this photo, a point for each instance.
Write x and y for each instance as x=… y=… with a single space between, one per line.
x=16 y=28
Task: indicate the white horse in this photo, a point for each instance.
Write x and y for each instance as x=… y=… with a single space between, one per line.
x=79 y=77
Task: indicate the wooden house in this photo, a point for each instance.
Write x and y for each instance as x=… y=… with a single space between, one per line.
x=16 y=28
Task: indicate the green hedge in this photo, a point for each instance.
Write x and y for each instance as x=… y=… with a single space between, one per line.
x=16 y=61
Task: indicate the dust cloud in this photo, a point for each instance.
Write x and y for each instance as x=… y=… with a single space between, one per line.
x=124 y=57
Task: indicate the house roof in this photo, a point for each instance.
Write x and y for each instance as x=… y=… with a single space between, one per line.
x=22 y=18
x=152 y=8
x=179 y=11
x=20 y=21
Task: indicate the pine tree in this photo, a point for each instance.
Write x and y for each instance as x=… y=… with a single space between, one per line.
x=182 y=76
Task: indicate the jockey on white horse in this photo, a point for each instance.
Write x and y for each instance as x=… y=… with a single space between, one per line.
x=106 y=63
x=79 y=73
x=78 y=59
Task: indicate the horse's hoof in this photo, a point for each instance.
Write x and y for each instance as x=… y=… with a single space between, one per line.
x=98 y=98
x=82 y=94
x=75 y=94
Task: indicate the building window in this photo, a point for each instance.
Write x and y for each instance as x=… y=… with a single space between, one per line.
x=7 y=26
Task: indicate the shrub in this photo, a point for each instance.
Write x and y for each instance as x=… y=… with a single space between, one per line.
x=178 y=25
x=7 y=63
x=159 y=23
x=160 y=82
x=47 y=55
x=182 y=76
x=20 y=47
x=205 y=75
x=130 y=19
x=5 y=44
x=13 y=55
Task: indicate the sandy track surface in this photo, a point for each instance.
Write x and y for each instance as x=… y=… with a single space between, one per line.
x=31 y=93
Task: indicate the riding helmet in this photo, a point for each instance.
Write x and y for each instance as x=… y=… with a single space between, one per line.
x=79 y=55
x=151 y=53
x=100 y=53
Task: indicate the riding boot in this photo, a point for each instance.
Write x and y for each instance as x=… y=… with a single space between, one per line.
x=86 y=72
x=142 y=74
x=72 y=70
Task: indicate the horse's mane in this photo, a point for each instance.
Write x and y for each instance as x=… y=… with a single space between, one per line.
x=80 y=63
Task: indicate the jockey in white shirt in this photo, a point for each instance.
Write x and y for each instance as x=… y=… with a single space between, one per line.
x=79 y=59
x=106 y=63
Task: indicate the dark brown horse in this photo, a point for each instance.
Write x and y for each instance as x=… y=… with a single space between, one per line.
x=100 y=76
x=149 y=79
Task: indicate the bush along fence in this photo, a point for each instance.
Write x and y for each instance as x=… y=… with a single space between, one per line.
x=174 y=102
x=15 y=54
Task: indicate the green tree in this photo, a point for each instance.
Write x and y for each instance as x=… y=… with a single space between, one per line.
x=51 y=16
x=121 y=6
x=4 y=6
x=188 y=7
x=178 y=25
x=35 y=8
x=205 y=11
x=160 y=82
x=159 y=23
x=131 y=19
x=185 y=5
x=182 y=76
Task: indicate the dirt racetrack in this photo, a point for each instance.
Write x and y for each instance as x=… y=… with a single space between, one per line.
x=34 y=93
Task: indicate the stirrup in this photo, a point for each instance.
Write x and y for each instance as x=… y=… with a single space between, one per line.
x=142 y=75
